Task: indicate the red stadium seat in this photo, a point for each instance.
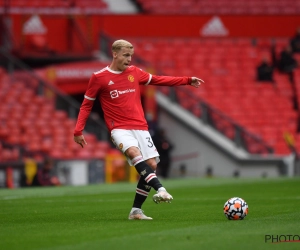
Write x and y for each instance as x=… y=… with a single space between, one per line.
x=230 y=85
x=32 y=122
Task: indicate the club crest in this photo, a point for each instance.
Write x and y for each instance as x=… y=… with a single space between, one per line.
x=131 y=78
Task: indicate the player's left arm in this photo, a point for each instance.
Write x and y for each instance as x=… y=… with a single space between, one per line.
x=175 y=81
x=146 y=78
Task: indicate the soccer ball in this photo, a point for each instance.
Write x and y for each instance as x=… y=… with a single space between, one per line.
x=235 y=208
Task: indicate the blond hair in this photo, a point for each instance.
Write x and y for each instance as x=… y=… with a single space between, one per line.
x=118 y=44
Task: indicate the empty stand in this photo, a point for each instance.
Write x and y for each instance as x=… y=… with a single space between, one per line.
x=30 y=122
x=228 y=66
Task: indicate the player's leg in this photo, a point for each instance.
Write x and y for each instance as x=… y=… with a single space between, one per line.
x=143 y=189
x=142 y=192
x=136 y=144
x=151 y=157
x=128 y=143
x=124 y=139
x=141 y=166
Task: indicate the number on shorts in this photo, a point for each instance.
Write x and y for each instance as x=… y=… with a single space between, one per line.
x=150 y=143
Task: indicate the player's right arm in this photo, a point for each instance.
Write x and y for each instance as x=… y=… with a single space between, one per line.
x=85 y=110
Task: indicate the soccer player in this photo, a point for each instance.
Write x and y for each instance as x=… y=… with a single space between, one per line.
x=117 y=88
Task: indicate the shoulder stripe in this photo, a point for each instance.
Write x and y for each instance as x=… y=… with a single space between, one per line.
x=150 y=78
x=100 y=71
x=89 y=98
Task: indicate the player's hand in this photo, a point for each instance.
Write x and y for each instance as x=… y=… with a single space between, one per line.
x=196 y=82
x=80 y=140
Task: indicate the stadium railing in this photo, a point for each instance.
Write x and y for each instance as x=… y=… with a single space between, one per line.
x=220 y=121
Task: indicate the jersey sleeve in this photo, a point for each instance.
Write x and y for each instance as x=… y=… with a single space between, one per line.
x=146 y=78
x=92 y=89
x=87 y=104
x=170 y=80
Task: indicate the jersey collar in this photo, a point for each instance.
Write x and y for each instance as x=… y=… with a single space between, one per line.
x=113 y=71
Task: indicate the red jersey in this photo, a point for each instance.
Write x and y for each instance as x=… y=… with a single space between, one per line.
x=119 y=95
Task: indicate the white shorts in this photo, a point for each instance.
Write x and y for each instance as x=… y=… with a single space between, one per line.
x=124 y=139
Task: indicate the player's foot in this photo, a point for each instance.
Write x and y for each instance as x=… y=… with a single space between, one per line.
x=162 y=196
x=138 y=214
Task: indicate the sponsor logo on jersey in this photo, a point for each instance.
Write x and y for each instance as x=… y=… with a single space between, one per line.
x=111 y=82
x=116 y=93
x=131 y=78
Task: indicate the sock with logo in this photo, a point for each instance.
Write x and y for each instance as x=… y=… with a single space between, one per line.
x=146 y=172
x=142 y=191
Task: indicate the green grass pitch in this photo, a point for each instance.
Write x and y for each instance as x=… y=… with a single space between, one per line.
x=96 y=216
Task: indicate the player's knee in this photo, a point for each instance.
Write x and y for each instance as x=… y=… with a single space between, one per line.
x=132 y=152
x=152 y=163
